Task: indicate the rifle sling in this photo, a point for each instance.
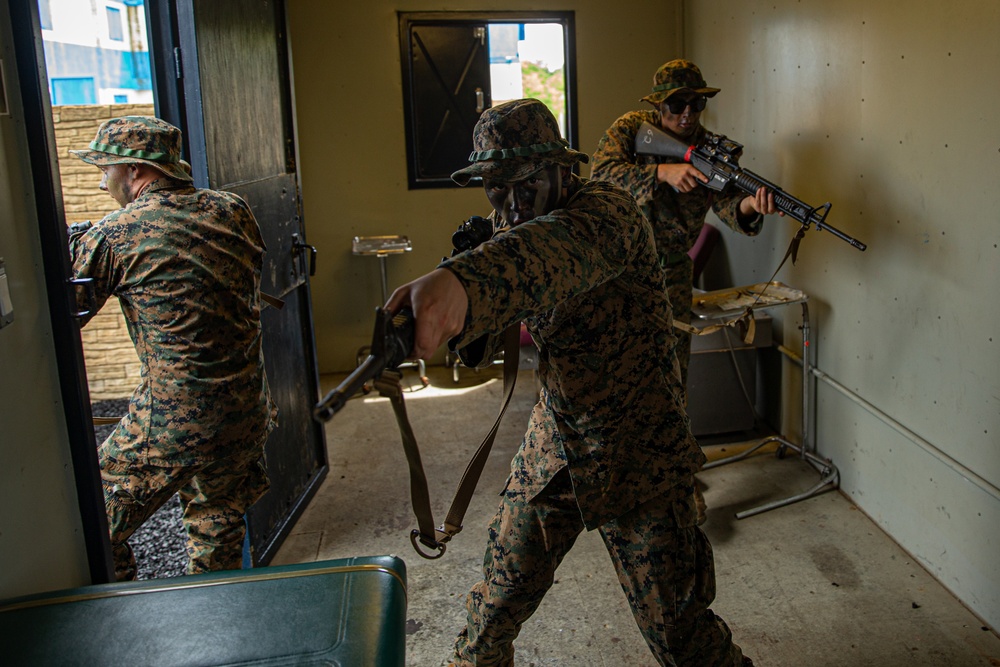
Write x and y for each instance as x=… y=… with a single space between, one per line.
x=388 y=385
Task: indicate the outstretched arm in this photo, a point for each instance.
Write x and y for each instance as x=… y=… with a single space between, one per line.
x=439 y=304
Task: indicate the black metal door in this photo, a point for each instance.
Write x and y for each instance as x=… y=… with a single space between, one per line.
x=222 y=74
x=448 y=87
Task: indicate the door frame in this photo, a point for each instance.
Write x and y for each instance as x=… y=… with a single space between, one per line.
x=66 y=339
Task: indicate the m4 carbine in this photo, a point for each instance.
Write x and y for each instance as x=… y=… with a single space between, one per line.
x=718 y=158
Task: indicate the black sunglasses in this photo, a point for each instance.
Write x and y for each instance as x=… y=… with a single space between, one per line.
x=677 y=104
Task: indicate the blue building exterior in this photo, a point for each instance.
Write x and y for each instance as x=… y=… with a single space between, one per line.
x=78 y=72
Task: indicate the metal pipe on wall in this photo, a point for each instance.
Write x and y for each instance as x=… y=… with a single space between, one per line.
x=924 y=444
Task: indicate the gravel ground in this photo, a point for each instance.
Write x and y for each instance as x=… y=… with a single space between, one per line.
x=158 y=544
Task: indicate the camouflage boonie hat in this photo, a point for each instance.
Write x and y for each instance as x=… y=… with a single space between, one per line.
x=142 y=139
x=515 y=139
x=675 y=76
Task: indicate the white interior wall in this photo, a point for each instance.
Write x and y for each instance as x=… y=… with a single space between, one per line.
x=889 y=112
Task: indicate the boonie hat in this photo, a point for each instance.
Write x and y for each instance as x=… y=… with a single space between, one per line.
x=142 y=139
x=675 y=76
x=515 y=139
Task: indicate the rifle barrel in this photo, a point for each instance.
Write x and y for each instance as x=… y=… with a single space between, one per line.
x=842 y=236
x=331 y=404
x=796 y=209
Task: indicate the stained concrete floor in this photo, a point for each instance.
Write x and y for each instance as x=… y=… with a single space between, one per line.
x=811 y=584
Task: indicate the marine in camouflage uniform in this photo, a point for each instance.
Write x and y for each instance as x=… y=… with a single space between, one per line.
x=608 y=445
x=677 y=216
x=185 y=266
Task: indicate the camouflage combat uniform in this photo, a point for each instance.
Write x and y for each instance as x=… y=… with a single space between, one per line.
x=608 y=445
x=677 y=218
x=185 y=266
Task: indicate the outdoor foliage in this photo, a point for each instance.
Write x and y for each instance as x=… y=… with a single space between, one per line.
x=549 y=87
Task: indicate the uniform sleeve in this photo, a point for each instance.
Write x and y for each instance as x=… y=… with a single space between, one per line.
x=615 y=163
x=726 y=206
x=92 y=257
x=537 y=265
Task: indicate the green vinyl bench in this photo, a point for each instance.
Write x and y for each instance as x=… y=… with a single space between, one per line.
x=348 y=612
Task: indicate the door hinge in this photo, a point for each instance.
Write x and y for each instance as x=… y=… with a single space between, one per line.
x=178 y=69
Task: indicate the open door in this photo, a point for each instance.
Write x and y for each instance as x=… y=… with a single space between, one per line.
x=222 y=74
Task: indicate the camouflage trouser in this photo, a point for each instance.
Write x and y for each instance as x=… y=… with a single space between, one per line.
x=214 y=497
x=664 y=563
x=679 y=291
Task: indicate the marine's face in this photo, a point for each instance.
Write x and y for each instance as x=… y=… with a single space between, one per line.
x=118 y=180
x=524 y=200
x=679 y=113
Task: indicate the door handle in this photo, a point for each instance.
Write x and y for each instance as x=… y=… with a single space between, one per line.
x=480 y=101
x=89 y=298
x=298 y=245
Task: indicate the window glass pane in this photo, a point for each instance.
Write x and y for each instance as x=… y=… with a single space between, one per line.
x=115 y=24
x=89 y=68
x=528 y=60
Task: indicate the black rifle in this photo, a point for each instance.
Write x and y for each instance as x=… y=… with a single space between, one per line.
x=718 y=158
x=392 y=342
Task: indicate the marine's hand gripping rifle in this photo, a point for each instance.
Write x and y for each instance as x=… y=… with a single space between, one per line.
x=392 y=342
x=718 y=158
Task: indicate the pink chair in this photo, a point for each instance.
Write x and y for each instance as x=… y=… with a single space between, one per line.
x=702 y=248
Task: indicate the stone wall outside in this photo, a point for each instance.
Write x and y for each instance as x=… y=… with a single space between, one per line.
x=112 y=365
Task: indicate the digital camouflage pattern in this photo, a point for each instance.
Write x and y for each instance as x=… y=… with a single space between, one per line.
x=675 y=76
x=215 y=496
x=608 y=444
x=586 y=281
x=677 y=218
x=142 y=139
x=185 y=266
x=664 y=563
x=514 y=140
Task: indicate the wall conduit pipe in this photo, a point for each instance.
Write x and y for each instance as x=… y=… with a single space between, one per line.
x=927 y=446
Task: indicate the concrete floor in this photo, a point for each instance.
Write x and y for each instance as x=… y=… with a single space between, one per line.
x=814 y=584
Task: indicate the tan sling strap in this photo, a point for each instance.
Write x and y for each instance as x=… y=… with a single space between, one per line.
x=426 y=534
x=744 y=322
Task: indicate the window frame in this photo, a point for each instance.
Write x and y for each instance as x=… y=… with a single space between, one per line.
x=407 y=19
x=45 y=14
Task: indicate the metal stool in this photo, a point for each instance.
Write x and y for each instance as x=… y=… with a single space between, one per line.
x=381 y=247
